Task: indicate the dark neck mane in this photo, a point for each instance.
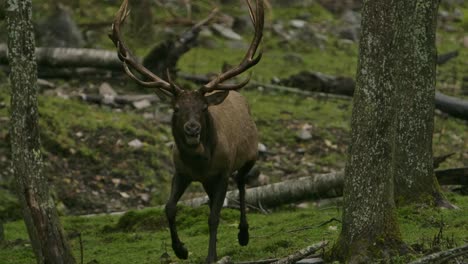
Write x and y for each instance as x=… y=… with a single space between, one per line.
x=201 y=154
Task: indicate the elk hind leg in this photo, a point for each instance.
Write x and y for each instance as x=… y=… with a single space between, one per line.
x=243 y=235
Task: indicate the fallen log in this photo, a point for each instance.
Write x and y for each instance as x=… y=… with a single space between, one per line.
x=71 y=57
x=451 y=105
x=453 y=176
x=443 y=256
x=318 y=186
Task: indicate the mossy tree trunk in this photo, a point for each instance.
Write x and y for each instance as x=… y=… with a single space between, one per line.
x=370 y=227
x=414 y=56
x=47 y=237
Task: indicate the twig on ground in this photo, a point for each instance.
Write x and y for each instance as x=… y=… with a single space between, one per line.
x=302 y=253
x=225 y=260
x=263 y=261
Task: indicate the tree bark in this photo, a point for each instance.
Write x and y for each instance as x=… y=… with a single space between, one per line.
x=369 y=227
x=414 y=58
x=47 y=237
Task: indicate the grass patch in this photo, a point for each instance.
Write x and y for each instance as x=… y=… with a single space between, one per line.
x=142 y=236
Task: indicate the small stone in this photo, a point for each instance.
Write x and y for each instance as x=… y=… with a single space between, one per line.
x=262 y=148
x=297 y=23
x=79 y=134
x=124 y=195
x=141 y=104
x=45 y=84
x=136 y=144
x=304 y=135
x=106 y=90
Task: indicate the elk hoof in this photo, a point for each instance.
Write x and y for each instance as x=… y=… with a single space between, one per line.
x=243 y=236
x=180 y=250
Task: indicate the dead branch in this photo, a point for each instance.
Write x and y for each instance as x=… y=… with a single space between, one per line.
x=302 y=253
x=443 y=256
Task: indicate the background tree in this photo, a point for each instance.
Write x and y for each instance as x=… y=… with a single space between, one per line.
x=392 y=125
x=414 y=59
x=47 y=237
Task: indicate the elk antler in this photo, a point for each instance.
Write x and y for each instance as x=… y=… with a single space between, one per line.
x=249 y=60
x=129 y=62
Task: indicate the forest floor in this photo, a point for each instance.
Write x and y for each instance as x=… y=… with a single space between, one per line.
x=93 y=168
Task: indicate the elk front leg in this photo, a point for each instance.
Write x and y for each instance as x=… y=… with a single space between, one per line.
x=179 y=185
x=243 y=235
x=216 y=192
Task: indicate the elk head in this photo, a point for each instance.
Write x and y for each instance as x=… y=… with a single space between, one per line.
x=189 y=106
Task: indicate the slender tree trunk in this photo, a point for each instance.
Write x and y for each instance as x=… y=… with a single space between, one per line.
x=414 y=74
x=370 y=227
x=46 y=234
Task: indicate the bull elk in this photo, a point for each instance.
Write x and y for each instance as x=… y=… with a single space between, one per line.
x=215 y=136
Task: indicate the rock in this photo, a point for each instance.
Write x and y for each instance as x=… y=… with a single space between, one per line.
x=136 y=144
x=106 y=89
x=60 y=30
x=465 y=41
x=457 y=15
x=262 y=148
x=310 y=261
x=297 y=23
x=45 y=84
x=141 y=104
x=304 y=135
x=444 y=15
x=351 y=18
x=350 y=33
x=226 y=32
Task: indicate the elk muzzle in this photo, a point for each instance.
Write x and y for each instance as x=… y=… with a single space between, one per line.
x=192 y=131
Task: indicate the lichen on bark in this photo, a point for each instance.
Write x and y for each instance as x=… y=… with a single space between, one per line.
x=45 y=232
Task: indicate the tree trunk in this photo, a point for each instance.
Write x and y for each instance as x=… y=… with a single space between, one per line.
x=46 y=234
x=370 y=227
x=414 y=58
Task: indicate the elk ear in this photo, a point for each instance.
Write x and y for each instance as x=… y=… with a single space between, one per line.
x=216 y=98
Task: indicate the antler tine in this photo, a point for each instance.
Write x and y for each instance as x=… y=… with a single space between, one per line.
x=129 y=62
x=249 y=60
